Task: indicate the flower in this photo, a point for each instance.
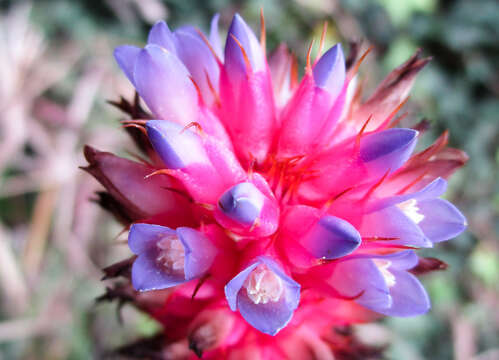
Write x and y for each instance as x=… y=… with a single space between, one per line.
x=168 y=257
x=269 y=210
x=265 y=296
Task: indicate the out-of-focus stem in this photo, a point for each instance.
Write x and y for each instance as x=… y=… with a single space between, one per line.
x=14 y=290
x=38 y=231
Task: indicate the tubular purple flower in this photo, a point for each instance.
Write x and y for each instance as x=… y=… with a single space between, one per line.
x=409 y=298
x=203 y=164
x=354 y=277
x=438 y=219
x=431 y=191
x=161 y=35
x=126 y=56
x=310 y=117
x=398 y=294
x=215 y=36
x=248 y=209
x=168 y=257
x=163 y=82
x=387 y=150
x=441 y=220
x=240 y=32
x=199 y=60
x=331 y=238
x=392 y=222
x=248 y=109
x=264 y=295
x=176 y=146
x=242 y=203
x=329 y=72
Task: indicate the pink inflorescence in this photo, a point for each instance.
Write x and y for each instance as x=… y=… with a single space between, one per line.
x=270 y=210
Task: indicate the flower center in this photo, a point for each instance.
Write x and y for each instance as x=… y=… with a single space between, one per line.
x=411 y=210
x=383 y=266
x=262 y=286
x=171 y=254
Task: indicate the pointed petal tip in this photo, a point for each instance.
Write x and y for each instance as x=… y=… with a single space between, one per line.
x=409 y=297
x=161 y=35
x=199 y=252
x=160 y=23
x=443 y=220
x=90 y=152
x=126 y=57
x=214 y=35
x=176 y=146
x=329 y=72
x=164 y=84
x=160 y=138
x=394 y=146
x=331 y=238
x=246 y=39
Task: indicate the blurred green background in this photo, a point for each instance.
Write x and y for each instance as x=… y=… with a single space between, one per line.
x=56 y=73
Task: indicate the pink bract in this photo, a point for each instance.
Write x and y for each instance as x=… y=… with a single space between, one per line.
x=269 y=210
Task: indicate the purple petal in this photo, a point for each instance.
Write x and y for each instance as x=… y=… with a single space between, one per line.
x=409 y=298
x=232 y=288
x=329 y=72
x=148 y=274
x=353 y=277
x=199 y=252
x=175 y=146
x=331 y=238
x=431 y=191
x=233 y=55
x=215 y=36
x=402 y=260
x=161 y=35
x=126 y=56
x=292 y=287
x=242 y=203
x=200 y=62
x=143 y=237
x=391 y=222
x=442 y=220
x=387 y=150
x=268 y=318
x=192 y=30
x=163 y=82
x=271 y=317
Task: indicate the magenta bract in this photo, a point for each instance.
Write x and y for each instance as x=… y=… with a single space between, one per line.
x=270 y=206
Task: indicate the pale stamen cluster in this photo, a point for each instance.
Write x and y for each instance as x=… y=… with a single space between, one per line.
x=171 y=254
x=262 y=286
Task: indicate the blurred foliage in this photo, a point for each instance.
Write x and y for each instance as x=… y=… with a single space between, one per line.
x=458 y=91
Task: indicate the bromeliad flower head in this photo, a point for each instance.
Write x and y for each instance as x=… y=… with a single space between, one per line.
x=270 y=210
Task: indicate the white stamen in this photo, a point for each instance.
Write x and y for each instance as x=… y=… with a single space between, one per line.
x=262 y=285
x=171 y=254
x=411 y=210
x=383 y=266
